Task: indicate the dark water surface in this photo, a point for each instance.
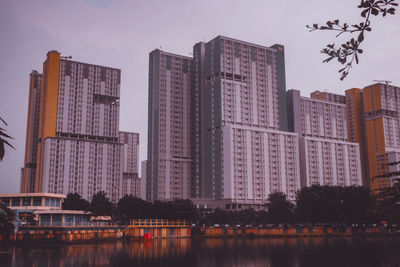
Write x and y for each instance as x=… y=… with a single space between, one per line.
x=218 y=252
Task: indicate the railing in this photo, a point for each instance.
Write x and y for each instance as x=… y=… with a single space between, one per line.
x=159 y=223
x=70 y=224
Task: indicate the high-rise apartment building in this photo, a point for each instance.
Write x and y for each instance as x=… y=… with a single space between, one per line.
x=326 y=155
x=217 y=124
x=143 y=179
x=78 y=148
x=328 y=97
x=374 y=122
x=169 y=129
x=28 y=172
x=131 y=183
x=240 y=150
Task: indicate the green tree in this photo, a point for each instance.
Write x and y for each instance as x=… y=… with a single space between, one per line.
x=3 y=139
x=175 y=209
x=279 y=209
x=184 y=209
x=6 y=221
x=388 y=205
x=130 y=207
x=101 y=205
x=334 y=204
x=347 y=52
x=74 y=201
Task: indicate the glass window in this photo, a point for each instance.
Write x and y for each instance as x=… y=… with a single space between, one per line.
x=47 y=202
x=26 y=201
x=37 y=201
x=57 y=203
x=15 y=201
x=6 y=201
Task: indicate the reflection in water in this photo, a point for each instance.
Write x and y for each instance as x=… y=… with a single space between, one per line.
x=218 y=252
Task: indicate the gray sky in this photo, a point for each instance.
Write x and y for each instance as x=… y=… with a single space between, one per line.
x=121 y=34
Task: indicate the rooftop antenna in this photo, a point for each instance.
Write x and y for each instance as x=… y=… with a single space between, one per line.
x=383 y=81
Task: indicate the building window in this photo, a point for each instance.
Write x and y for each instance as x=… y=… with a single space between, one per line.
x=15 y=201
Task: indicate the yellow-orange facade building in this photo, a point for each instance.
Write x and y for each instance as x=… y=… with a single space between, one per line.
x=374 y=122
x=73 y=141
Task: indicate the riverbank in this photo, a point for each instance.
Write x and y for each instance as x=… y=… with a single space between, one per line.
x=158 y=231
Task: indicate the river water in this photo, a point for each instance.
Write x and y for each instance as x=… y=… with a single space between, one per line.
x=218 y=252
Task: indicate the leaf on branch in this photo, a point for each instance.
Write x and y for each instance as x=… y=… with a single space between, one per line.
x=5 y=135
x=360 y=37
x=349 y=51
x=327 y=59
x=374 y=11
x=364 y=13
x=3 y=121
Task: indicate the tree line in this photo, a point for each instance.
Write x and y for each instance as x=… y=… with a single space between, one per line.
x=315 y=205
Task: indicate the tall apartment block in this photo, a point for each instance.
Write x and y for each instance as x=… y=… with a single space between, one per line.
x=374 y=123
x=326 y=155
x=169 y=129
x=131 y=183
x=78 y=148
x=327 y=96
x=143 y=179
x=28 y=172
x=240 y=150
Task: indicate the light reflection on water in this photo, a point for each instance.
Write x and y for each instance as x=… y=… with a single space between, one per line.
x=218 y=252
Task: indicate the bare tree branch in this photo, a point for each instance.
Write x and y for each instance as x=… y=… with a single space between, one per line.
x=348 y=52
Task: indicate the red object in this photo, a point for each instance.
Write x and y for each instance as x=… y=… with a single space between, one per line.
x=147 y=236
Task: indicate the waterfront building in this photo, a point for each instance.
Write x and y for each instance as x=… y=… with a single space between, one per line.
x=76 y=127
x=373 y=114
x=241 y=150
x=25 y=204
x=169 y=126
x=326 y=155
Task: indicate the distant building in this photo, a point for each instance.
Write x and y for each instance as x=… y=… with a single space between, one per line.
x=326 y=155
x=28 y=173
x=130 y=165
x=73 y=130
x=169 y=129
x=143 y=180
x=240 y=146
x=341 y=99
x=374 y=122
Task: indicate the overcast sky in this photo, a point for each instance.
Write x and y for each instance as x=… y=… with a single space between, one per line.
x=121 y=34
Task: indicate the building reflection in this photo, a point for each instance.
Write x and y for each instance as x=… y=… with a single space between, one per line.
x=273 y=252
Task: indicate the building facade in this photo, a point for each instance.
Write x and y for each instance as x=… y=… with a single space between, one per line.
x=240 y=150
x=327 y=96
x=169 y=129
x=28 y=172
x=378 y=106
x=143 y=180
x=131 y=183
x=326 y=155
x=78 y=148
